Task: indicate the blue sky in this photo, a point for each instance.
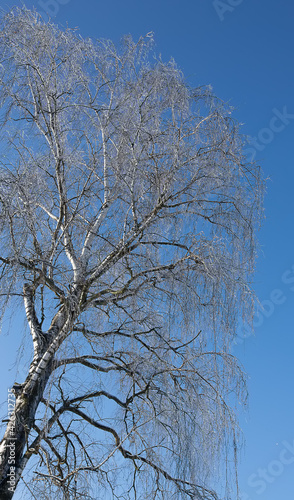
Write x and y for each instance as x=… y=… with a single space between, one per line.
x=244 y=49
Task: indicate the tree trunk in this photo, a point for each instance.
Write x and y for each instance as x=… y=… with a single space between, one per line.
x=13 y=444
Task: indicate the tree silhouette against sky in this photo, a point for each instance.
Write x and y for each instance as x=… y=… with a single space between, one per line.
x=128 y=219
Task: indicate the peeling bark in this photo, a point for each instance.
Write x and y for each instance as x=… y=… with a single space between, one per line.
x=15 y=440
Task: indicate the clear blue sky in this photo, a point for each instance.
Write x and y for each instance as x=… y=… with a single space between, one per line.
x=244 y=49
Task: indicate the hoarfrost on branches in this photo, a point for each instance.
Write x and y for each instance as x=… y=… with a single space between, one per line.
x=128 y=219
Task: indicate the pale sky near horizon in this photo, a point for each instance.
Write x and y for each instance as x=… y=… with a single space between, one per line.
x=244 y=49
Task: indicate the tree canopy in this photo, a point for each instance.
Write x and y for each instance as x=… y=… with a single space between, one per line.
x=128 y=216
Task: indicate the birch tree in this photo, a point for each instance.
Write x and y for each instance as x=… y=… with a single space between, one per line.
x=128 y=219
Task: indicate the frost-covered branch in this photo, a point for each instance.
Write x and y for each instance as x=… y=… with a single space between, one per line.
x=128 y=218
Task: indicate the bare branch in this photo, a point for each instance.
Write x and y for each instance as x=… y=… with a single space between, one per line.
x=128 y=223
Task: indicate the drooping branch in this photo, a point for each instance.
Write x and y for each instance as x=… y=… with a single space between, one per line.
x=193 y=490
